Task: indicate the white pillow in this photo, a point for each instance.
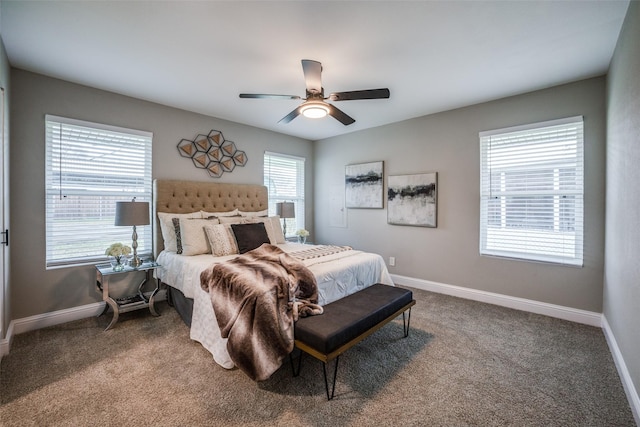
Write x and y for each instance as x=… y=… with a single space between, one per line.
x=277 y=229
x=168 y=231
x=232 y=219
x=221 y=239
x=263 y=213
x=273 y=226
x=234 y=212
x=193 y=237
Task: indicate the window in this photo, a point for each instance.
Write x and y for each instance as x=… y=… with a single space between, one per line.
x=89 y=167
x=531 y=192
x=284 y=177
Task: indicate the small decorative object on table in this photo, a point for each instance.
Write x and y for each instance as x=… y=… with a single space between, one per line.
x=302 y=235
x=118 y=252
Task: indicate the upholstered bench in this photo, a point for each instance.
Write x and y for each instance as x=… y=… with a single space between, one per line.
x=348 y=321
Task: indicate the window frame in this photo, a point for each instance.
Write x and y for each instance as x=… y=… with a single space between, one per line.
x=297 y=196
x=536 y=171
x=81 y=193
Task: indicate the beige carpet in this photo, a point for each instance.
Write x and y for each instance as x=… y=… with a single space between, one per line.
x=464 y=363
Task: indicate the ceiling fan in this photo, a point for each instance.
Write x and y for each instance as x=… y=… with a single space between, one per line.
x=314 y=105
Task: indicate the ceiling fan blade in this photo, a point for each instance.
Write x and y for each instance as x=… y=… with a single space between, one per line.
x=292 y=115
x=360 y=94
x=340 y=116
x=312 y=75
x=267 y=96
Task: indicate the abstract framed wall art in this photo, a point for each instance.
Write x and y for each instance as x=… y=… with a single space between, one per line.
x=364 y=185
x=413 y=199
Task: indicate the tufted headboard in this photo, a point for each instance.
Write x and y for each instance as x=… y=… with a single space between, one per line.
x=189 y=196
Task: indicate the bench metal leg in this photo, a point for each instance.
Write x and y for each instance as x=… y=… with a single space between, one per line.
x=406 y=322
x=326 y=383
x=294 y=370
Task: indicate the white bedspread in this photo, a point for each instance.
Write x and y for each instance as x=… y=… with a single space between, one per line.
x=338 y=275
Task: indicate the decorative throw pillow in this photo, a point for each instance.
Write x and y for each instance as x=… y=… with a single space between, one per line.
x=176 y=230
x=221 y=239
x=262 y=213
x=192 y=236
x=168 y=230
x=249 y=236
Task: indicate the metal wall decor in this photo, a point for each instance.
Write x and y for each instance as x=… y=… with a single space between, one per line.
x=213 y=153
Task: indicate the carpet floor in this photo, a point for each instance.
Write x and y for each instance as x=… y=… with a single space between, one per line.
x=464 y=363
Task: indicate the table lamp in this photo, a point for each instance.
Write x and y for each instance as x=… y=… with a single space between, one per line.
x=285 y=210
x=132 y=214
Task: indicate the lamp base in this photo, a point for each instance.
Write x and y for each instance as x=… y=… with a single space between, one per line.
x=135 y=261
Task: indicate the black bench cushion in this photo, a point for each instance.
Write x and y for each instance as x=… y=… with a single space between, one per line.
x=345 y=319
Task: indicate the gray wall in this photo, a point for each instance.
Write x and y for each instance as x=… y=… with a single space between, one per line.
x=622 y=248
x=36 y=290
x=448 y=143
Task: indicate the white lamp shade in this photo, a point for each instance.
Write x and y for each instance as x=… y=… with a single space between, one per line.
x=132 y=213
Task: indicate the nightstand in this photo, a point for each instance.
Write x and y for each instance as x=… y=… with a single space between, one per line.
x=130 y=303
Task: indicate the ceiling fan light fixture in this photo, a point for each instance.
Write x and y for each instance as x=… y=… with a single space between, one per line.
x=315 y=110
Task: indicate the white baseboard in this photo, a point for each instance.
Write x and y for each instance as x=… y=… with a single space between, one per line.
x=58 y=317
x=32 y=323
x=566 y=313
x=45 y=320
x=627 y=382
x=5 y=343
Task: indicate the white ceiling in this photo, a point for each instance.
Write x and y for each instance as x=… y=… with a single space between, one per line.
x=198 y=56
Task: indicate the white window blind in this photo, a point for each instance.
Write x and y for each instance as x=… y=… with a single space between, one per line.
x=531 y=192
x=89 y=167
x=284 y=177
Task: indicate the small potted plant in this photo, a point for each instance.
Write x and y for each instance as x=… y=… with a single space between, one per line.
x=118 y=253
x=302 y=235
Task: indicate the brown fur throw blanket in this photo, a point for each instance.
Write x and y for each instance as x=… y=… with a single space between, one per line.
x=256 y=298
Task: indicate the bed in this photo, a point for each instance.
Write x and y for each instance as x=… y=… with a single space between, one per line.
x=339 y=271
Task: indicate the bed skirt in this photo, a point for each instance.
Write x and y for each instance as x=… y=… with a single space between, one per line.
x=182 y=304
